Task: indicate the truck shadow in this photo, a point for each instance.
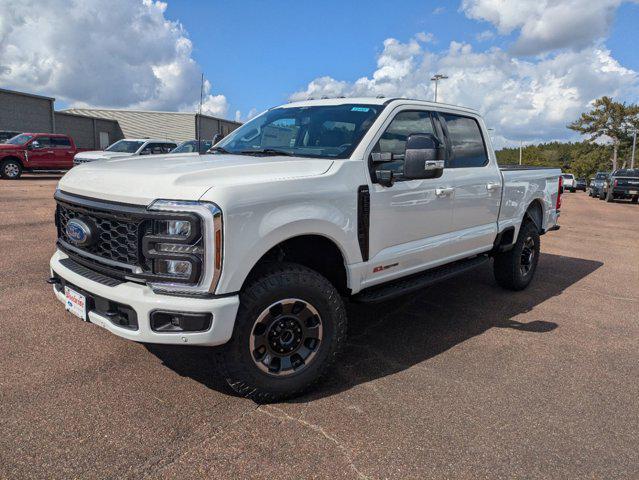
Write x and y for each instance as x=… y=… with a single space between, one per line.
x=388 y=338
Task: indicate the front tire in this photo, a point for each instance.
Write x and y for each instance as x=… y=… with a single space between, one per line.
x=515 y=269
x=289 y=328
x=11 y=169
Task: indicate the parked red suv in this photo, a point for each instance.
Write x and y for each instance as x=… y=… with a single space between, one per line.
x=36 y=151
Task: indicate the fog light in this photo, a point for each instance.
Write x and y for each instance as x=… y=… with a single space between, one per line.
x=180 y=321
x=178 y=268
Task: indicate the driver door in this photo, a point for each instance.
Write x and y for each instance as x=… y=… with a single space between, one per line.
x=410 y=221
x=40 y=153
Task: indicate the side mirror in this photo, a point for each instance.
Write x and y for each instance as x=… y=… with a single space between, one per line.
x=216 y=138
x=145 y=152
x=34 y=145
x=424 y=157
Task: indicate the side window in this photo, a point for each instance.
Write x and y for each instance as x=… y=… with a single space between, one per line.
x=61 y=142
x=393 y=140
x=44 y=142
x=466 y=141
x=154 y=148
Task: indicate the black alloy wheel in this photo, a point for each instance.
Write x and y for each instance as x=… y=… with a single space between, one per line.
x=286 y=337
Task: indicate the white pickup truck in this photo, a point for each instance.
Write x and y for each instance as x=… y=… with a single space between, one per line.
x=126 y=148
x=255 y=247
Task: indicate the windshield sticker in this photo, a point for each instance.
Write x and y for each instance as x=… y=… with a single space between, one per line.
x=360 y=109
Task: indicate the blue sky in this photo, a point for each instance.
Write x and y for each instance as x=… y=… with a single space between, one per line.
x=258 y=52
x=529 y=66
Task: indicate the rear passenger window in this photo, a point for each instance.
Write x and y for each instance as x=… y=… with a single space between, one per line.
x=61 y=142
x=466 y=141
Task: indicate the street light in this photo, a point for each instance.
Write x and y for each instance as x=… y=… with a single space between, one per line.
x=634 y=147
x=436 y=78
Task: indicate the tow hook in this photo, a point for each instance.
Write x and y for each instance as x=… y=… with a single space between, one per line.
x=53 y=281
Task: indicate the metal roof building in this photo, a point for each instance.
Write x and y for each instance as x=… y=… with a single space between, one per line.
x=176 y=126
x=26 y=112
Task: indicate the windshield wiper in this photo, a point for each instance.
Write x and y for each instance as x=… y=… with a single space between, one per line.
x=266 y=151
x=218 y=149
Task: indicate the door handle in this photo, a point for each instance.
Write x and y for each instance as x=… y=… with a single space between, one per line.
x=444 y=192
x=50 y=151
x=491 y=187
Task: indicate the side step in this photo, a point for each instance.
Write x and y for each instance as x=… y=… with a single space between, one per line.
x=402 y=286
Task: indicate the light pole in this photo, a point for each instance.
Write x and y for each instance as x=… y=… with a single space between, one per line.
x=634 y=147
x=521 y=147
x=436 y=78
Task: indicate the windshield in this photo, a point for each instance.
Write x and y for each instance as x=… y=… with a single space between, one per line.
x=19 y=139
x=568 y=176
x=190 y=146
x=627 y=173
x=331 y=131
x=601 y=176
x=125 y=146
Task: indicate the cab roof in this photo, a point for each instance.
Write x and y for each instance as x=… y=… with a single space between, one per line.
x=154 y=140
x=45 y=133
x=312 y=102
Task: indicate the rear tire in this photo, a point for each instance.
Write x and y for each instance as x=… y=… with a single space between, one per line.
x=515 y=269
x=634 y=199
x=10 y=169
x=290 y=327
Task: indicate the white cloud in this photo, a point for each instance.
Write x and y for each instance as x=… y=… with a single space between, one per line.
x=122 y=53
x=530 y=100
x=425 y=37
x=439 y=10
x=546 y=25
x=485 y=36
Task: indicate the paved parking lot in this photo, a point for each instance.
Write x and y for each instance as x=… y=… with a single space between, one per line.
x=463 y=380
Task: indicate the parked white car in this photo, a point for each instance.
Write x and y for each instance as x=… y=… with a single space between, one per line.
x=256 y=247
x=569 y=182
x=126 y=148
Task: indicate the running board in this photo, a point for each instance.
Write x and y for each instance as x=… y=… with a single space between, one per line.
x=402 y=286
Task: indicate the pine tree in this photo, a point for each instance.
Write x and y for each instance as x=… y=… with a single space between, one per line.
x=610 y=119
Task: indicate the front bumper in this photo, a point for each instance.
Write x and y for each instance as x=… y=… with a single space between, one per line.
x=143 y=301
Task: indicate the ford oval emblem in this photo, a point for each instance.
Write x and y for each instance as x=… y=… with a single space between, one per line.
x=79 y=232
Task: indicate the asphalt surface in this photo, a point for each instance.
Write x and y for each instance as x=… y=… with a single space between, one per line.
x=463 y=380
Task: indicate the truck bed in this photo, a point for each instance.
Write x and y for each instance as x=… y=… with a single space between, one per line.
x=521 y=185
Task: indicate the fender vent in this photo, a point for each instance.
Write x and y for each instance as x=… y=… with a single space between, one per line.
x=363 y=219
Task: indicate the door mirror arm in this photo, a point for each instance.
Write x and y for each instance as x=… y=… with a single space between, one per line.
x=386 y=178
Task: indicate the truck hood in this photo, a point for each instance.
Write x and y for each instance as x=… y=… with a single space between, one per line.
x=101 y=155
x=140 y=180
x=6 y=147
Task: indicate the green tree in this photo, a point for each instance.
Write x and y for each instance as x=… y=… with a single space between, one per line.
x=610 y=119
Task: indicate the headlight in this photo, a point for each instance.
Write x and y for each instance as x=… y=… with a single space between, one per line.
x=185 y=247
x=180 y=228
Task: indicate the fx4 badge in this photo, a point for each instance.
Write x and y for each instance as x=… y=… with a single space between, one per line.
x=379 y=268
